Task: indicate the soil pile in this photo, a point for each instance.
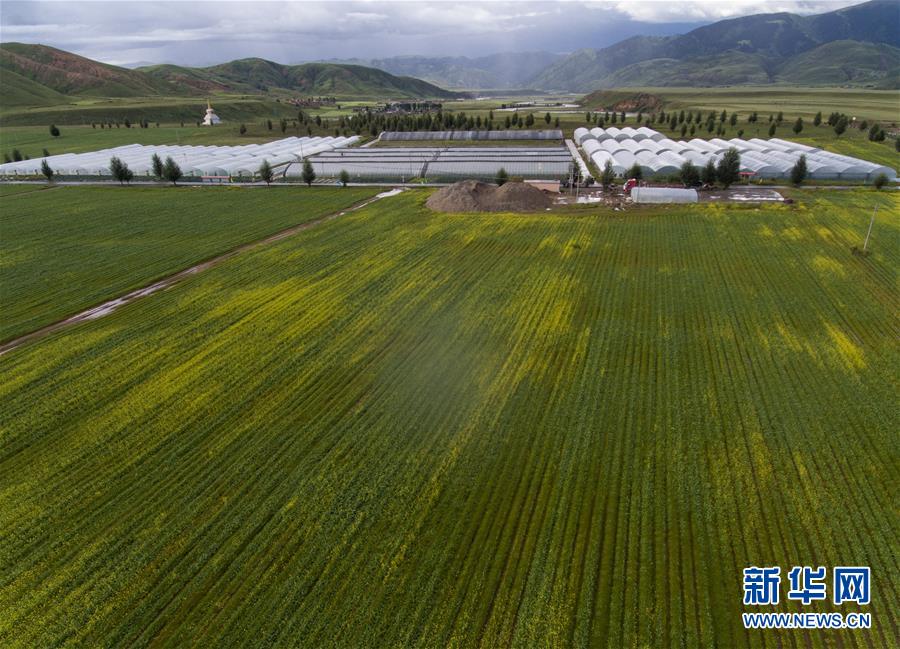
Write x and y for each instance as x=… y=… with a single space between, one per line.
x=474 y=196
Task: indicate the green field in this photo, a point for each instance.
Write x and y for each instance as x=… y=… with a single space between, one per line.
x=806 y=102
x=407 y=429
x=84 y=110
x=69 y=248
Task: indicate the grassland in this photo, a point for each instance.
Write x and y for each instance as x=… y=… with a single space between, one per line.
x=69 y=248
x=79 y=111
x=805 y=102
x=409 y=429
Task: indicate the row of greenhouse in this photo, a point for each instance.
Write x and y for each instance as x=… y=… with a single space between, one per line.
x=443 y=164
x=515 y=134
x=195 y=161
x=658 y=155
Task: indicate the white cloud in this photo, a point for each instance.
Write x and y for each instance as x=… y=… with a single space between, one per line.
x=290 y=32
x=656 y=11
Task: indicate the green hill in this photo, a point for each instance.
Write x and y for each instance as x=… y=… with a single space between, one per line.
x=69 y=74
x=262 y=76
x=843 y=62
x=21 y=91
x=42 y=76
x=724 y=69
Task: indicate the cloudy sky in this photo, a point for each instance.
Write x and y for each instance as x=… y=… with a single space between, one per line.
x=205 y=32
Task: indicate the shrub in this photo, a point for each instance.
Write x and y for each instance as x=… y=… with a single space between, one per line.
x=880 y=181
x=729 y=169
x=690 y=175
x=502 y=177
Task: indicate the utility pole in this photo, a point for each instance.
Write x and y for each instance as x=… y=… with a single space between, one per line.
x=871 y=223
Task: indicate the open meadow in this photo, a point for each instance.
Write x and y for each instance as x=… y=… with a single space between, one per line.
x=64 y=249
x=408 y=429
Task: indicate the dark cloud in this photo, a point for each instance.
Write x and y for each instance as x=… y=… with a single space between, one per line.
x=203 y=33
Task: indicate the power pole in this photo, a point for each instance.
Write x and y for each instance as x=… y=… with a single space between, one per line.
x=871 y=223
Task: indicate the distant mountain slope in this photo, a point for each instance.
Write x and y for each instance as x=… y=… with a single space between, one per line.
x=729 y=68
x=842 y=62
x=747 y=50
x=38 y=75
x=504 y=70
x=20 y=91
x=70 y=74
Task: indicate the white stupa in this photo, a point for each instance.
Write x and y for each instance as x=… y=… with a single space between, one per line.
x=211 y=118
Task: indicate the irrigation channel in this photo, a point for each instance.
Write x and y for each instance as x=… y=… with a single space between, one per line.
x=110 y=306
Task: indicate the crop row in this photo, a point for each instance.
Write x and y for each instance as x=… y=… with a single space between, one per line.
x=410 y=429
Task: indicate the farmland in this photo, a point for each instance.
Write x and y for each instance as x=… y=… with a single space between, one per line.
x=407 y=429
x=68 y=248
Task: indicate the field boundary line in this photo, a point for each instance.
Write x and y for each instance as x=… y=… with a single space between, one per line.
x=109 y=306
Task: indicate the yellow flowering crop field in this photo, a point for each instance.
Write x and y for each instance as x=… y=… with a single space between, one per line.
x=409 y=429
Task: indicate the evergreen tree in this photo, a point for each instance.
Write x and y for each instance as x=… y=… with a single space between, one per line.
x=733 y=120
x=729 y=169
x=54 y=131
x=622 y=117
x=681 y=117
x=547 y=118
x=880 y=181
x=556 y=123
x=841 y=125
x=708 y=174
x=798 y=171
x=157 y=166
x=690 y=175
x=16 y=155
x=529 y=121
x=723 y=115
x=269 y=124
x=171 y=171
x=683 y=130
x=46 y=170
x=45 y=153
x=265 y=172
x=344 y=177
x=242 y=129
x=772 y=129
x=614 y=117
x=309 y=174
x=780 y=117
x=607 y=175
x=501 y=177
x=635 y=172
x=120 y=171
x=798 y=126
x=817 y=120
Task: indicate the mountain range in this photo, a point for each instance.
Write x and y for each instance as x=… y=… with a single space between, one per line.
x=496 y=71
x=858 y=45
x=40 y=75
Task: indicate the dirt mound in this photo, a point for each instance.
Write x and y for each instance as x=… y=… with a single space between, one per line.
x=641 y=101
x=474 y=196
